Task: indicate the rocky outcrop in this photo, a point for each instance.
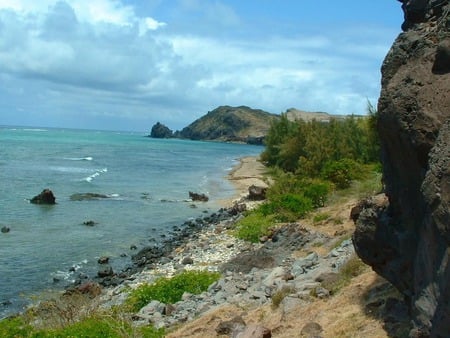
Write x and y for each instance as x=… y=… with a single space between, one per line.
x=408 y=241
x=230 y=124
x=159 y=130
x=45 y=197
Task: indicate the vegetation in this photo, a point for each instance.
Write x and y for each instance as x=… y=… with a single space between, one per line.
x=309 y=160
x=94 y=326
x=170 y=290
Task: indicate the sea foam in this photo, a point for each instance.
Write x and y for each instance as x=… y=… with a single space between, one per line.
x=96 y=174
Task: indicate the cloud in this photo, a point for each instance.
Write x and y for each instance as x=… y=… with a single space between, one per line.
x=82 y=61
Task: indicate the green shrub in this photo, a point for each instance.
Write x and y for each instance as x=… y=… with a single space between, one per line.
x=287 y=207
x=341 y=172
x=170 y=290
x=254 y=225
x=317 y=191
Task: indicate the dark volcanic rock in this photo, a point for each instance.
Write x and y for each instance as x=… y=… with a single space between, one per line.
x=408 y=242
x=198 y=197
x=45 y=197
x=5 y=229
x=256 y=193
x=159 y=130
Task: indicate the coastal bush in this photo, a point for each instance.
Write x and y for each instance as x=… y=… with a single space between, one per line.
x=170 y=290
x=287 y=207
x=254 y=225
x=341 y=172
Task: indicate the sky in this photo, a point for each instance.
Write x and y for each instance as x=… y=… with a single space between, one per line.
x=127 y=64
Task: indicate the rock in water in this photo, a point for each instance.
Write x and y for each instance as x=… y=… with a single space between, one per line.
x=408 y=242
x=5 y=229
x=45 y=197
x=159 y=130
x=198 y=197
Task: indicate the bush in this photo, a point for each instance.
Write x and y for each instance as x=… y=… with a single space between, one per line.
x=170 y=290
x=254 y=225
x=341 y=172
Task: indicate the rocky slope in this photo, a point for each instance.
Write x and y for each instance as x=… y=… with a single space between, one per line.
x=408 y=240
x=230 y=124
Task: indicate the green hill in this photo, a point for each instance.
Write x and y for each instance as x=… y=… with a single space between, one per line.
x=230 y=124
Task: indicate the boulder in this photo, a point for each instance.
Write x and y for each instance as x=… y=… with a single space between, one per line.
x=5 y=229
x=257 y=193
x=105 y=271
x=407 y=241
x=45 y=197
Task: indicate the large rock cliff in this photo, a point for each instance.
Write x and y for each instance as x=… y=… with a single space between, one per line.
x=408 y=241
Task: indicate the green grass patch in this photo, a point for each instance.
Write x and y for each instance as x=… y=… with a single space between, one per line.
x=170 y=290
x=253 y=226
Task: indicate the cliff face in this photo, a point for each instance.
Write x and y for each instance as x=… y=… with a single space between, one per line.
x=408 y=242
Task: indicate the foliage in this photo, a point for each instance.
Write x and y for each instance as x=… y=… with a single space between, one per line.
x=15 y=327
x=253 y=226
x=152 y=332
x=278 y=296
x=170 y=290
x=341 y=172
x=287 y=207
x=304 y=148
x=90 y=327
x=320 y=217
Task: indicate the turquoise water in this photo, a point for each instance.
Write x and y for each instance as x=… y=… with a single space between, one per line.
x=147 y=181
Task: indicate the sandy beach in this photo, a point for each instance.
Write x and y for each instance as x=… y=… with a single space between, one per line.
x=249 y=171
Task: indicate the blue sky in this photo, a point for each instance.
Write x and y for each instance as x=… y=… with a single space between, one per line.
x=126 y=64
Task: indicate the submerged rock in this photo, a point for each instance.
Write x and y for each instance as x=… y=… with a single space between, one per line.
x=87 y=196
x=45 y=197
x=5 y=229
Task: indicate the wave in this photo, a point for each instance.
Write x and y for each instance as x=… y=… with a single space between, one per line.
x=34 y=129
x=96 y=174
x=88 y=158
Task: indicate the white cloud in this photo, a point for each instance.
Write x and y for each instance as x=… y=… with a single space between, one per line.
x=103 y=58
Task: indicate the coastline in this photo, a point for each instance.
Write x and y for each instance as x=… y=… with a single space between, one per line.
x=249 y=171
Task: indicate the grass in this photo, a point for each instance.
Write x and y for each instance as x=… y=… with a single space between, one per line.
x=170 y=290
x=352 y=268
x=278 y=296
x=253 y=226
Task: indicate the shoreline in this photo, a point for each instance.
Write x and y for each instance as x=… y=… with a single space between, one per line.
x=249 y=171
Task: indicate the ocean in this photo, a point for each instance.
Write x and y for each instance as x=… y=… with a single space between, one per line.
x=146 y=181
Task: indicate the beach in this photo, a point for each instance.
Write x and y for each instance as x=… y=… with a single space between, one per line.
x=250 y=171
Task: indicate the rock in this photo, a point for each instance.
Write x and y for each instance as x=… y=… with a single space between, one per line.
x=257 y=193
x=103 y=260
x=255 y=331
x=5 y=229
x=90 y=288
x=301 y=265
x=87 y=196
x=198 y=197
x=311 y=330
x=159 y=130
x=105 y=271
x=45 y=197
x=231 y=327
x=89 y=223
x=187 y=260
x=408 y=241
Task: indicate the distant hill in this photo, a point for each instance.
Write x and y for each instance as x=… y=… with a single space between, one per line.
x=294 y=114
x=230 y=124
